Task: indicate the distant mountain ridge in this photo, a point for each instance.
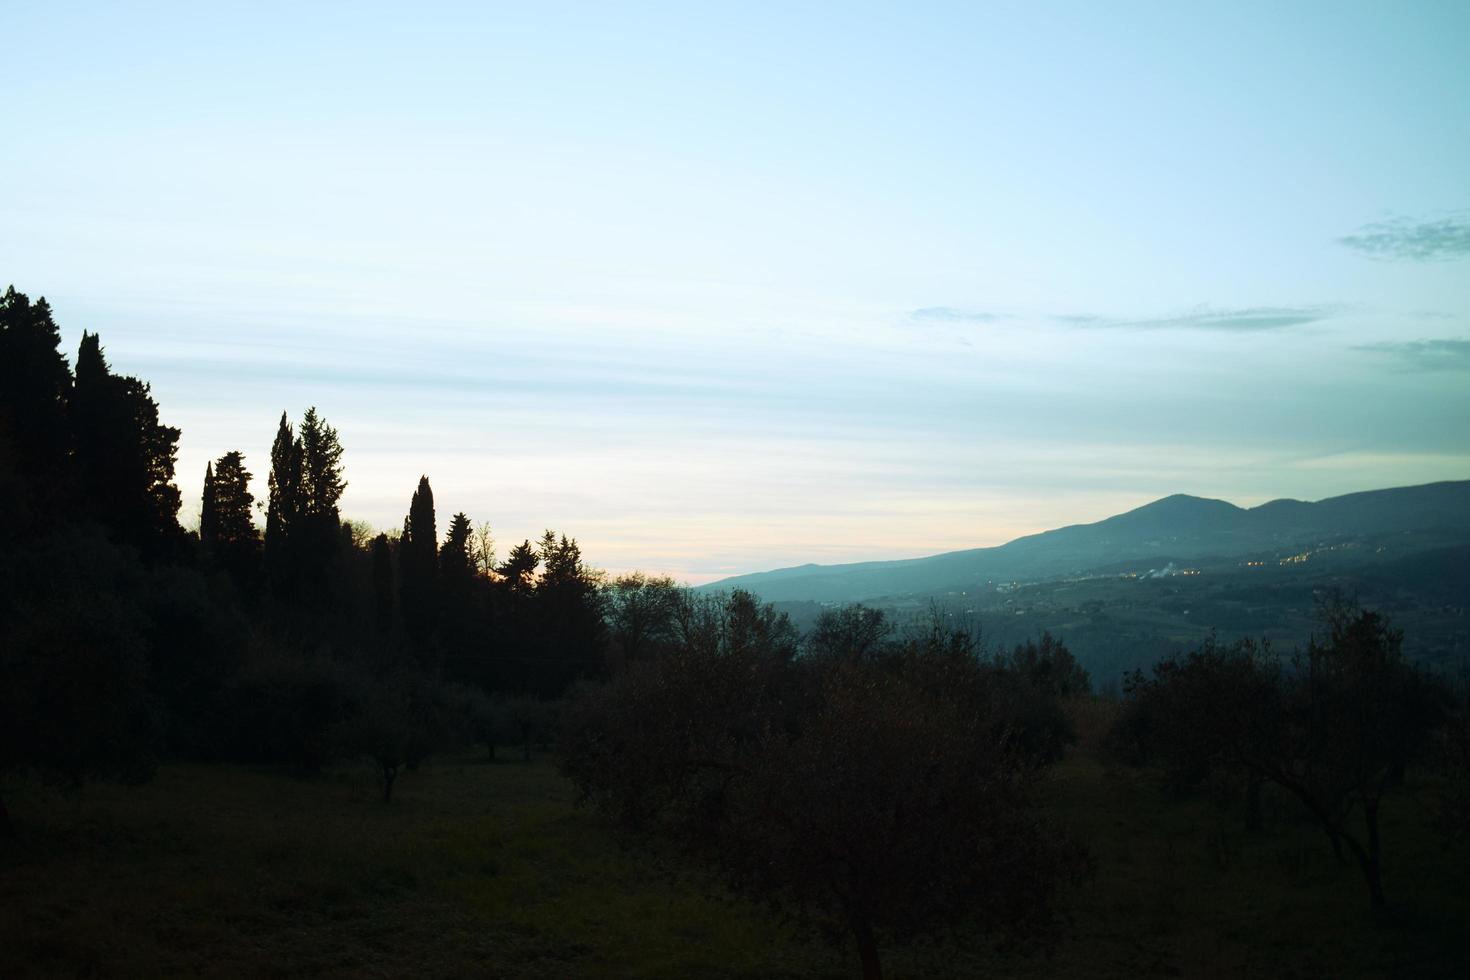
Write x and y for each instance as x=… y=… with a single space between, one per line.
x=1178 y=527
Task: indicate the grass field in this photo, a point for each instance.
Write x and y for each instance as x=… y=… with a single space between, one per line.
x=481 y=869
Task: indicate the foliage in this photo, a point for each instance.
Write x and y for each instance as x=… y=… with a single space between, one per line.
x=855 y=632
x=640 y=612
x=1335 y=727
x=889 y=795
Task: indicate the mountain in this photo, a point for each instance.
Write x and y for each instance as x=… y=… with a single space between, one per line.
x=1175 y=529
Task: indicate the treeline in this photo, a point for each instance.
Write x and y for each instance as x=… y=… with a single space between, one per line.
x=125 y=638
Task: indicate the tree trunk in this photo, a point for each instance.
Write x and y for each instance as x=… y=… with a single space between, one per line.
x=390 y=773
x=1369 y=863
x=1336 y=840
x=1374 y=868
x=867 y=949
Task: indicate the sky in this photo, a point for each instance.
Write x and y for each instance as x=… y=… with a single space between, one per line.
x=716 y=288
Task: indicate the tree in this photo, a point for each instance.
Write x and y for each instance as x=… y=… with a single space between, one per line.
x=124 y=455
x=482 y=549
x=207 y=511
x=455 y=563
x=879 y=794
x=418 y=565
x=640 y=614
x=303 y=525
x=1334 y=728
x=321 y=468
x=568 y=619
x=34 y=438
x=894 y=810
x=460 y=608
x=226 y=527
x=383 y=584
x=856 y=632
x=1050 y=665
x=387 y=727
x=74 y=661
x=285 y=504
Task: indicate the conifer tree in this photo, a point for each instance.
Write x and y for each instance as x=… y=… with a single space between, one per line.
x=454 y=557
x=383 y=584
x=34 y=442
x=418 y=564
x=321 y=468
x=284 y=503
x=124 y=455
x=207 y=517
x=568 y=618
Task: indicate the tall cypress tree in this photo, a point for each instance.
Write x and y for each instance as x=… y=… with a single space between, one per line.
x=207 y=517
x=418 y=565
x=34 y=441
x=225 y=525
x=283 y=505
x=124 y=454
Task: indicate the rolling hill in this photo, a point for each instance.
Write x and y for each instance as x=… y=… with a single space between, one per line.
x=1179 y=528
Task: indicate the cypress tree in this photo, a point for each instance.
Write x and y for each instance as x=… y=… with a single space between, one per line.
x=321 y=468
x=34 y=441
x=124 y=454
x=383 y=584
x=454 y=556
x=418 y=564
x=208 y=520
x=284 y=504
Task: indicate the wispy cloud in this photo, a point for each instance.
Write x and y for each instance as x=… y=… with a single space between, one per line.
x=1238 y=320
x=951 y=314
x=1402 y=238
x=1243 y=320
x=1447 y=354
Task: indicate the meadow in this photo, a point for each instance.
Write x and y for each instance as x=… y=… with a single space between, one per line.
x=482 y=868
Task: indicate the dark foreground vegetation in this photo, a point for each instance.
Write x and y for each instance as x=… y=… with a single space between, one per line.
x=317 y=749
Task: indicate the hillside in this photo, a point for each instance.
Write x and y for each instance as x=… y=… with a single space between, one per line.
x=1176 y=528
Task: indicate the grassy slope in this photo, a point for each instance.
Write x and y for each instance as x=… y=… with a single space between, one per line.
x=481 y=869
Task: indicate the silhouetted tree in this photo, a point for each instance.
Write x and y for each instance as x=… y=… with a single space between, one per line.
x=206 y=510
x=418 y=566
x=285 y=505
x=854 y=632
x=226 y=527
x=640 y=614
x=124 y=455
x=1050 y=664
x=35 y=443
x=1335 y=729
x=455 y=563
x=462 y=638
x=568 y=603
x=321 y=468
x=880 y=794
x=388 y=727
x=383 y=584
x=482 y=549
x=74 y=699
x=519 y=569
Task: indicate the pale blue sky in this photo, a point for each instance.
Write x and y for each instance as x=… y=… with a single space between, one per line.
x=716 y=288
